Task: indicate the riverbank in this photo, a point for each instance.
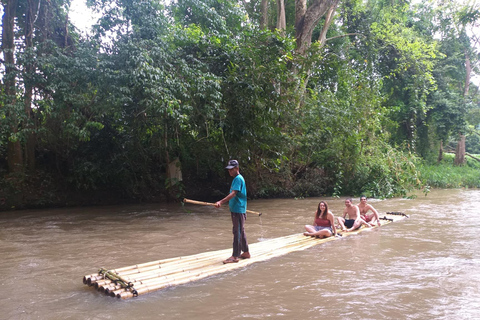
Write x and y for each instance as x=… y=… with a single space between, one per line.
x=446 y=175
x=43 y=192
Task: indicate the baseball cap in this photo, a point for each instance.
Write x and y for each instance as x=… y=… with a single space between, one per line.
x=232 y=164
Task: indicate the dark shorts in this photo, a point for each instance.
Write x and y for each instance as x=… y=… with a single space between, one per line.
x=349 y=223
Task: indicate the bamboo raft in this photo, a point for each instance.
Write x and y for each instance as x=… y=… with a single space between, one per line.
x=132 y=281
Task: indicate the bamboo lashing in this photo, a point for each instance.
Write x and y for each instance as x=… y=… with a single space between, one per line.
x=202 y=203
x=139 y=279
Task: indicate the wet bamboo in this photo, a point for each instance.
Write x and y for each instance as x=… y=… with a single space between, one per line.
x=139 y=268
x=101 y=283
x=192 y=276
x=189 y=277
x=182 y=268
x=173 y=271
x=166 y=261
x=170 y=271
x=178 y=279
x=195 y=264
x=178 y=269
x=154 y=264
x=168 y=267
x=160 y=263
x=296 y=242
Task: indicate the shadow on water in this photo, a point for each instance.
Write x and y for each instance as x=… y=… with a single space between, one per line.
x=424 y=267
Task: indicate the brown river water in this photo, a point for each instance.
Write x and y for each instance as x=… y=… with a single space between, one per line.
x=424 y=267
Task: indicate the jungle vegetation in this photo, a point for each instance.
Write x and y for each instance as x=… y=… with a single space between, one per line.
x=317 y=97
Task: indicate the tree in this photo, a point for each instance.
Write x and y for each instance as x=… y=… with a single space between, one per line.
x=307 y=18
x=30 y=21
x=14 y=151
x=458 y=45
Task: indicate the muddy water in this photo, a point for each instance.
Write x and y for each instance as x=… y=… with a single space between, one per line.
x=425 y=267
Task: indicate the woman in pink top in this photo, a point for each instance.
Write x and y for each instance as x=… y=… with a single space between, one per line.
x=323 y=225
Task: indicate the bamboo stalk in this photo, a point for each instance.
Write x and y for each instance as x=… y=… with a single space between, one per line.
x=170 y=260
x=202 y=203
x=168 y=267
x=140 y=268
x=91 y=279
x=299 y=242
x=162 y=283
x=212 y=258
x=145 y=276
x=175 y=275
x=189 y=276
x=175 y=269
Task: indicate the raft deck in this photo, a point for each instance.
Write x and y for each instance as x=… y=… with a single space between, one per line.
x=132 y=281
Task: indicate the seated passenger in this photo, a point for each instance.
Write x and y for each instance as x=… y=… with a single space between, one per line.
x=354 y=221
x=364 y=207
x=323 y=225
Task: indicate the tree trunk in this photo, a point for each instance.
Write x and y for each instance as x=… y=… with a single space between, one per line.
x=440 y=152
x=30 y=142
x=307 y=18
x=14 y=150
x=328 y=21
x=460 y=151
x=281 y=20
x=264 y=12
x=468 y=71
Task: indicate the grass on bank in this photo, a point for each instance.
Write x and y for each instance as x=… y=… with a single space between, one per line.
x=446 y=175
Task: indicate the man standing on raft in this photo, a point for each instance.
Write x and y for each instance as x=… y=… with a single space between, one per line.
x=237 y=201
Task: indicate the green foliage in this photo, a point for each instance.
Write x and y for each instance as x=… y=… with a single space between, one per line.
x=446 y=175
x=196 y=80
x=217 y=17
x=385 y=172
x=472 y=144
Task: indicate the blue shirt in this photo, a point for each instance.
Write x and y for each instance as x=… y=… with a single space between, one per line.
x=238 y=204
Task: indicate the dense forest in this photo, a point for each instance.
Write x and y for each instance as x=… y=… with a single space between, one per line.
x=317 y=97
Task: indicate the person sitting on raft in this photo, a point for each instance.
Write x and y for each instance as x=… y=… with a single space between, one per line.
x=323 y=225
x=364 y=207
x=355 y=220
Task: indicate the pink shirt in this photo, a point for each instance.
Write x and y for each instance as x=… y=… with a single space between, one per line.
x=322 y=222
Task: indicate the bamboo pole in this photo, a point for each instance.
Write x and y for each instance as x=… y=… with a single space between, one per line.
x=180 y=279
x=146 y=276
x=90 y=279
x=299 y=244
x=139 y=283
x=202 y=203
x=140 y=268
x=299 y=241
x=196 y=260
x=167 y=267
x=266 y=246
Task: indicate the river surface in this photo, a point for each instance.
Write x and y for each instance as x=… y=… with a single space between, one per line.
x=424 y=267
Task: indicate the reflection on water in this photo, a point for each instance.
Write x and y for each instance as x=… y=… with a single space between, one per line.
x=425 y=267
